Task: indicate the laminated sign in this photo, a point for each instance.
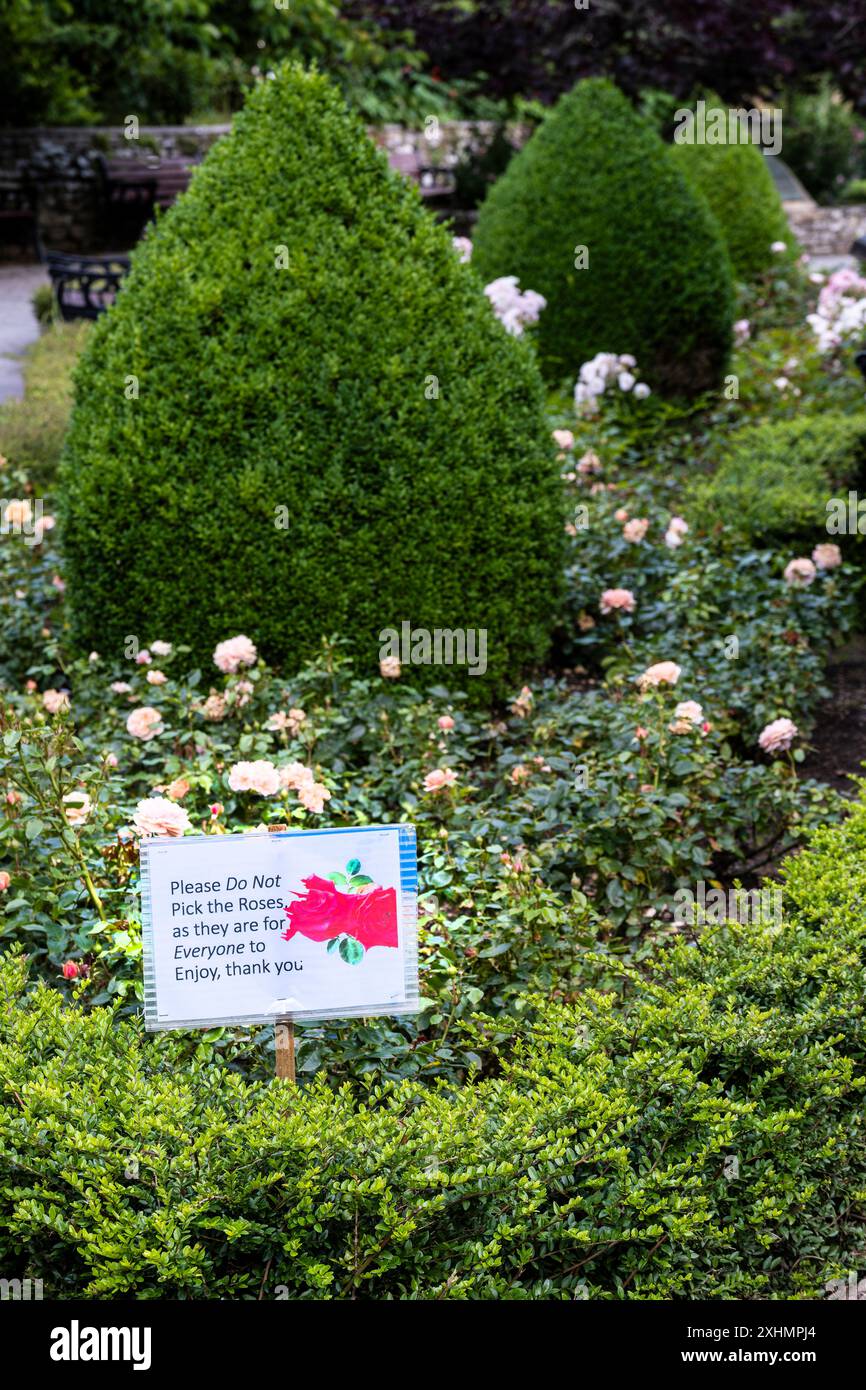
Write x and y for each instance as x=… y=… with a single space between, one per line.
x=305 y=924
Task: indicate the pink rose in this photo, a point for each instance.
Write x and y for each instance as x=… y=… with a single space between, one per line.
x=313 y=795
x=564 y=439
x=294 y=776
x=617 y=600
x=439 y=778
x=260 y=777
x=445 y=722
x=589 y=463
x=5 y=880
x=635 y=530
x=238 y=651
x=157 y=816
x=800 y=573
x=827 y=556
x=778 y=736
x=56 y=701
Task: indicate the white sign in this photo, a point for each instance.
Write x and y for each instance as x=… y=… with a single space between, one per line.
x=294 y=924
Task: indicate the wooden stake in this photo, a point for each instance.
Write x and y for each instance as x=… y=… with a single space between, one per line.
x=284 y=1037
x=284 y=1028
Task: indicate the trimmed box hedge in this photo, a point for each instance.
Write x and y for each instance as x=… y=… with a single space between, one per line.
x=658 y=282
x=775 y=480
x=301 y=418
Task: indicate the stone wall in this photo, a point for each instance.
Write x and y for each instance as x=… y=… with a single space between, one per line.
x=69 y=184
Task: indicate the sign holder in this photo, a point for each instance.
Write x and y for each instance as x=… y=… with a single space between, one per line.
x=284 y=1028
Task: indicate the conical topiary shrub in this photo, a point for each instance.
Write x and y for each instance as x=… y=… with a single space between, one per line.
x=657 y=279
x=742 y=196
x=301 y=418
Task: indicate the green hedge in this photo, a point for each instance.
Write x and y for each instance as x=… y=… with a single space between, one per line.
x=288 y=469
x=591 y=1161
x=658 y=281
x=775 y=480
x=739 y=188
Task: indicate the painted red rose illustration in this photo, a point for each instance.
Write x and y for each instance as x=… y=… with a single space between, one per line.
x=351 y=922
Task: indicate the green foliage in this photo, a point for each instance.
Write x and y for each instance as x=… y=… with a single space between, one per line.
x=739 y=188
x=332 y=432
x=776 y=479
x=32 y=430
x=658 y=282
x=594 y=1160
x=823 y=140
x=194 y=59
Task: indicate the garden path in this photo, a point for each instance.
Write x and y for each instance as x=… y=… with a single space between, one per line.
x=18 y=326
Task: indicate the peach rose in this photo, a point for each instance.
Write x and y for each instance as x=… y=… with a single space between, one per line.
x=18 y=513
x=564 y=439
x=522 y=706
x=144 y=723
x=214 y=707
x=156 y=678
x=178 y=789
x=389 y=667
x=78 y=807
x=636 y=529
x=662 y=673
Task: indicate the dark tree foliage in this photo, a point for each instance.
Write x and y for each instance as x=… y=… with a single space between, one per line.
x=540 y=48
